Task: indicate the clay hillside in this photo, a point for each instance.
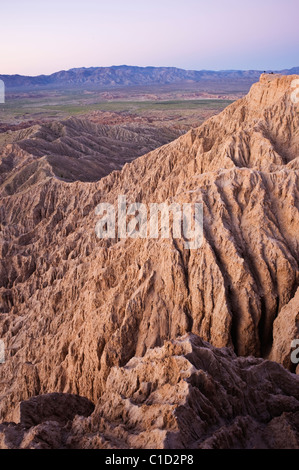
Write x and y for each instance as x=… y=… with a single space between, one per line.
x=74 y=149
x=154 y=345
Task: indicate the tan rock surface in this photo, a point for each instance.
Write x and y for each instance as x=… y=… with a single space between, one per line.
x=74 y=149
x=186 y=394
x=73 y=306
x=285 y=331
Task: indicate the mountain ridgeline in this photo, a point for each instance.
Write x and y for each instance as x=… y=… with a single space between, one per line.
x=125 y=75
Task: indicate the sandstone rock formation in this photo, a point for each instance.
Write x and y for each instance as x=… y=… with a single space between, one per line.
x=285 y=331
x=73 y=150
x=184 y=395
x=41 y=418
x=75 y=309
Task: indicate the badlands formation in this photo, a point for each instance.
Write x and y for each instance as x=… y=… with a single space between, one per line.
x=73 y=149
x=154 y=345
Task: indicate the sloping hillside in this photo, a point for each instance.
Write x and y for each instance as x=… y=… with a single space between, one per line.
x=73 y=306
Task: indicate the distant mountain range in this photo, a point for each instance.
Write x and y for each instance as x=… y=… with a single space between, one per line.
x=125 y=75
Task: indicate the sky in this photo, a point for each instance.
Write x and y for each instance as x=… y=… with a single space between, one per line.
x=43 y=36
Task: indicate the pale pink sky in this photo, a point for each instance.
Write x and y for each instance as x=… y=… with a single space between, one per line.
x=41 y=36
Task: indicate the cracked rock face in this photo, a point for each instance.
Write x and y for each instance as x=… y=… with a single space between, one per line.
x=285 y=330
x=73 y=150
x=75 y=309
x=186 y=394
